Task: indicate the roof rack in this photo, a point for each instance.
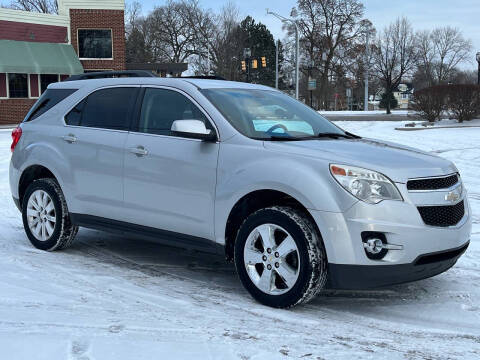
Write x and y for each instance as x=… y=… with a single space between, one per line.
x=111 y=74
x=208 y=77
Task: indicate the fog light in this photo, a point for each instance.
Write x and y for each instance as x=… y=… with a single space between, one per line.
x=373 y=246
x=376 y=246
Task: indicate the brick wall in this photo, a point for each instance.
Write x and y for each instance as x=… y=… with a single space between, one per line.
x=21 y=31
x=12 y=111
x=101 y=19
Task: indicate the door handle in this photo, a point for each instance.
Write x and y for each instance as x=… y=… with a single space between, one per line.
x=139 y=151
x=70 y=138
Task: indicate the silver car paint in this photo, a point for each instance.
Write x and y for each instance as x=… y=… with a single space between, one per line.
x=198 y=204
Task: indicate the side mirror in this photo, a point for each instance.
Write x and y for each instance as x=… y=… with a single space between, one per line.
x=194 y=129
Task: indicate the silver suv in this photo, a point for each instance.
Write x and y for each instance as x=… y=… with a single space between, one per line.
x=296 y=202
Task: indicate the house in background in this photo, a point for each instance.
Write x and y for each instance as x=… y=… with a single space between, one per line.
x=404 y=95
x=38 y=49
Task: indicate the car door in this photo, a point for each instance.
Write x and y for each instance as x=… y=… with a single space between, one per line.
x=170 y=180
x=93 y=141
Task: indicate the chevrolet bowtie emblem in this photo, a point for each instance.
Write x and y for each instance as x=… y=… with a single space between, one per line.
x=452 y=196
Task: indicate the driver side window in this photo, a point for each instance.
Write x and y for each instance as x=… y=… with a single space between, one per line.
x=161 y=107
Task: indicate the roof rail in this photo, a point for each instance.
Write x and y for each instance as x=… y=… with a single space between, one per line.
x=111 y=74
x=208 y=77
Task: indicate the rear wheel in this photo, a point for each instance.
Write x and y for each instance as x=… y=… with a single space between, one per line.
x=45 y=216
x=280 y=257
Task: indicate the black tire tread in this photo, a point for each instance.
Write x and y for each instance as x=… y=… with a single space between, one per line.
x=316 y=253
x=68 y=231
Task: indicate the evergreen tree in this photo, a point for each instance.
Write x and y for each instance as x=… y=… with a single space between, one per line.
x=388 y=97
x=261 y=43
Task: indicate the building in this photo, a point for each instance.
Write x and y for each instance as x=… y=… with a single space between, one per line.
x=404 y=95
x=38 y=49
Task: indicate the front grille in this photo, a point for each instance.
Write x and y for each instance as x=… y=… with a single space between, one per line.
x=435 y=183
x=442 y=215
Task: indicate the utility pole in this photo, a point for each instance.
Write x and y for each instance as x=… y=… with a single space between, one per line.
x=277 y=44
x=478 y=75
x=297 y=52
x=367 y=65
x=247 y=53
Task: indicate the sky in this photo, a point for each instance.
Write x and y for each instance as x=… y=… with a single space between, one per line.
x=424 y=14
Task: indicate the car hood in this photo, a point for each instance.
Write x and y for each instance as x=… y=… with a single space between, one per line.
x=396 y=161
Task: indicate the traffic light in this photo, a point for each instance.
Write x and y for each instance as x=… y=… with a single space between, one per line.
x=264 y=61
x=244 y=65
x=254 y=64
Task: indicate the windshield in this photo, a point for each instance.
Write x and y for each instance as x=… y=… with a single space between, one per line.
x=270 y=115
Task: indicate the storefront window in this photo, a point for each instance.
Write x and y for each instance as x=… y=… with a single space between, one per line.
x=47 y=79
x=95 y=44
x=18 y=85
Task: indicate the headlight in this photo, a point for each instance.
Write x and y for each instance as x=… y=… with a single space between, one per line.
x=366 y=185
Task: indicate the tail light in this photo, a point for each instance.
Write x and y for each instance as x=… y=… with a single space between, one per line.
x=16 y=135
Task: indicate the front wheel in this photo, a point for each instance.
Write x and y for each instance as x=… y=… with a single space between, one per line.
x=280 y=257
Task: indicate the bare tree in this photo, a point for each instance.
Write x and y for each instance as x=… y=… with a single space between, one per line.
x=440 y=52
x=173 y=39
x=451 y=49
x=218 y=41
x=41 y=6
x=395 y=55
x=327 y=26
x=426 y=57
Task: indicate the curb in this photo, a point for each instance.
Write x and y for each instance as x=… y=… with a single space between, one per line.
x=436 y=127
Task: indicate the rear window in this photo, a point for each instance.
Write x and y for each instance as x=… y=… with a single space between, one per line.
x=49 y=99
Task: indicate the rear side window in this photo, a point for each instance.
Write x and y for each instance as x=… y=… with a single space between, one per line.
x=75 y=115
x=49 y=99
x=106 y=109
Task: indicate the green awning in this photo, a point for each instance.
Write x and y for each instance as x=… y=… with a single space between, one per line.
x=38 y=58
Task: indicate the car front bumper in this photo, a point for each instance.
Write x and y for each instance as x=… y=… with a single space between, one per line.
x=402 y=225
x=364 y=276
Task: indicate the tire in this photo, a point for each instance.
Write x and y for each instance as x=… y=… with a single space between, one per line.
x=56 y=229
x=306 y=263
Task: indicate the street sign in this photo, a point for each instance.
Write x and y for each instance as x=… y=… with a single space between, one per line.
x=312 y=84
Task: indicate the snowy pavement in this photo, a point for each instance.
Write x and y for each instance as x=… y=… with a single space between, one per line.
x=113 y=297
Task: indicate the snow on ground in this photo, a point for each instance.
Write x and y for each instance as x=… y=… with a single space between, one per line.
x=114 y=297
x=445 y=123
x=360 y=113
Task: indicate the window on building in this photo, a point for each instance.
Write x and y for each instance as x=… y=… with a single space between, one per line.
x=47 y=79
x=95 y=44
x=18 y=85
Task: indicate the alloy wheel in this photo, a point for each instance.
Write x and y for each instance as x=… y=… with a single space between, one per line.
x=41 y=215
x=271 y=259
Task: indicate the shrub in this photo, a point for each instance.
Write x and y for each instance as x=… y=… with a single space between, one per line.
x=430 y=102
x=388 y=97
x=464 y=101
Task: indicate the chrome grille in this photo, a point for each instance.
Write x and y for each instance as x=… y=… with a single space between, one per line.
x=434 y=183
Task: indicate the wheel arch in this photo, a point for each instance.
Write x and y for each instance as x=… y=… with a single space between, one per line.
x=253 y=201
x=30 y=174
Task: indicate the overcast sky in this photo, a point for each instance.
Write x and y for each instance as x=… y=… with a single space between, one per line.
x=424 y=14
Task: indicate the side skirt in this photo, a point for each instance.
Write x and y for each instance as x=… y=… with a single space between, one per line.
x=164 y=237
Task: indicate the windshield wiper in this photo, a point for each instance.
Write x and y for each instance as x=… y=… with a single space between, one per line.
x=333 y=135
x=282 y=138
